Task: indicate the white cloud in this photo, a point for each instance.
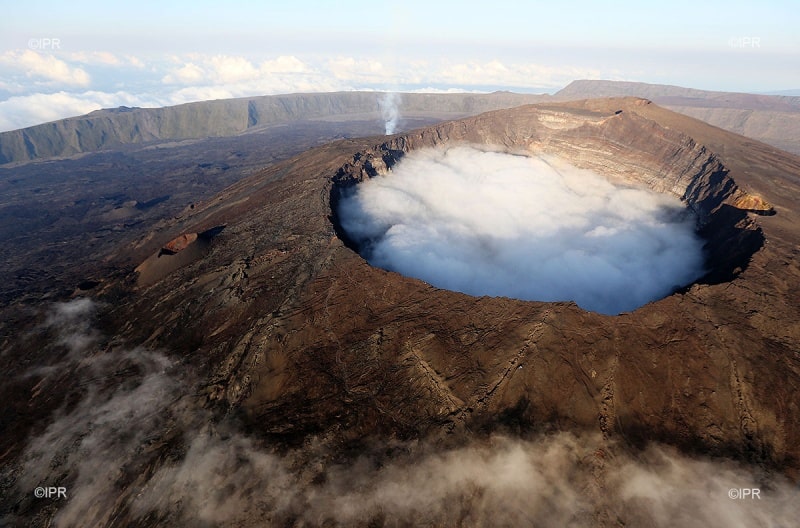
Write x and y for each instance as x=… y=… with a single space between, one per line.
x=27 y=110
x=44 y=66
x=226 y=69
x=431 y=90
x=43 y=87
x=12 y=87
x=134 y=61
x=487 y=223
x=199 y=93
x=284 y=64
x=497 y=73
x=364 y=70
x=187 y=74
x=266 y=85
x=94 y=57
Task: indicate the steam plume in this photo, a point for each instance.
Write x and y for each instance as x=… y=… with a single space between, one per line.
x=390 y=111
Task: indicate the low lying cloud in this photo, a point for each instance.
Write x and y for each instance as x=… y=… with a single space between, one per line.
x=661 y=487
x=44 y=68
x=72 y=322
x=39 y=86
x=226 y=69
x=514 y=74
x=533 y=228
x=96 y=58
x=359 y=70
x=186 y=74
x=136 y=449
x=26 y=110
x=552 y=481
x=130 y=397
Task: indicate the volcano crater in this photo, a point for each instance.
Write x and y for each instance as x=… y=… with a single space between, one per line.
x=587 y=147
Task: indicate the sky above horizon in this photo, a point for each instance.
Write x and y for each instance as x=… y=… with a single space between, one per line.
x=69 y=58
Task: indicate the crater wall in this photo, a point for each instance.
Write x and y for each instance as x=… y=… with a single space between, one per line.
x=626 y=148
x=299 y=336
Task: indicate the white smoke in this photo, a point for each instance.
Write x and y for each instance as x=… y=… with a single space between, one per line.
x=390 y=111
x=533 y=228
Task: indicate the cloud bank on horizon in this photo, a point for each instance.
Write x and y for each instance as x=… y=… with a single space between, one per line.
x=58 y=60
x=489 y=223
x=42 y=86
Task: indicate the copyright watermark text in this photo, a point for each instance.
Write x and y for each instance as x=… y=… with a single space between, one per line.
x=44 y=43
x=50 y=492
x=744 y=493
x=744 y=42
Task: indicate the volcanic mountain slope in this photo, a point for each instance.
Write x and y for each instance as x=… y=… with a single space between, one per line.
x=61 y=221
x=112 y=128
x=292 y=322
x=772 y=119
x=295 y=337
x=127 y=169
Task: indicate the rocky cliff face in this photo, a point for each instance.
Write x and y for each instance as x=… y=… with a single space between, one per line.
x=292 y=333
x=114 y=127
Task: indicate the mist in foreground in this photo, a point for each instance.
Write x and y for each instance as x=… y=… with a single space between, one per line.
x=112 y=451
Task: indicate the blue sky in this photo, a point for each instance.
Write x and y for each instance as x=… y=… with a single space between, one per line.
x=67 y=58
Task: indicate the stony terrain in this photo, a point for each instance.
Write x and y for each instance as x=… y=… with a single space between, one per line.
x=712 y=368
x=62 y=220
x=775 y=120
x=294 y=337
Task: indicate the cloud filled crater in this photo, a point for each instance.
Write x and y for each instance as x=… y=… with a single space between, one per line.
x=525 y=227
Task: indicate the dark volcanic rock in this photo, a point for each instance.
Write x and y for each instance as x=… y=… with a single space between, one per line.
x=298 y=334
x=282 y=339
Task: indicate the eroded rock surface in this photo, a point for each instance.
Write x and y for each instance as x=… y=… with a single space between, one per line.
x=300 y=335
x=279 y=336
